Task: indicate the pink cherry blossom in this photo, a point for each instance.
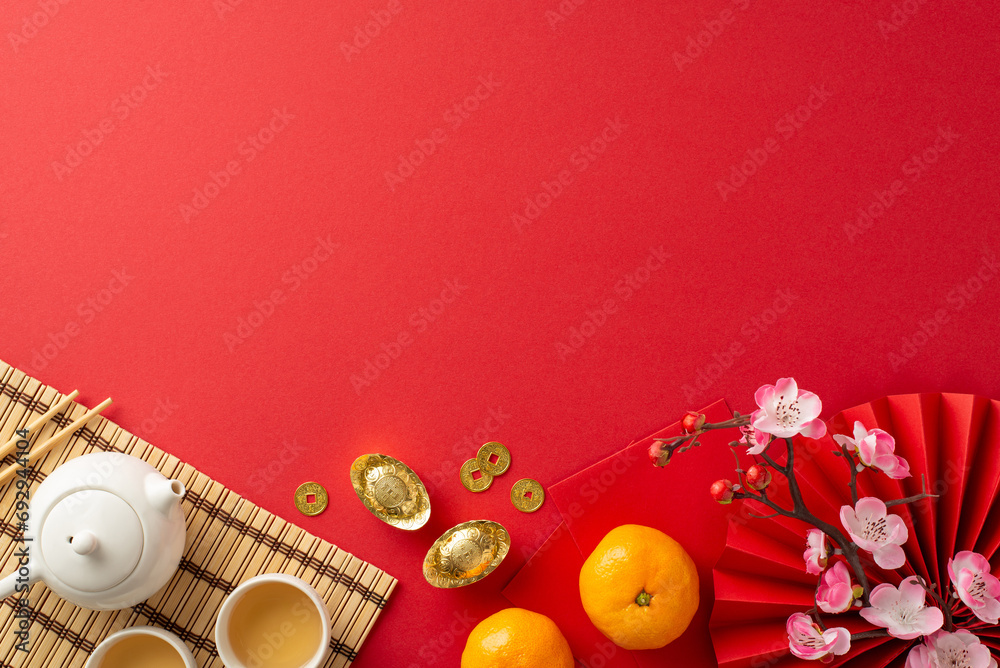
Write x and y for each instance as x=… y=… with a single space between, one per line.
x=808 y=641
x=835 y=593
x=951 y=650
x=874 y=531
x=787 y=411
x=755 y=439
x=903 y=611
x=970 y=573
x=816 y=551
x=876 y=449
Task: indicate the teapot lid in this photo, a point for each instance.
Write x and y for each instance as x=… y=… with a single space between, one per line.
x=91 y=540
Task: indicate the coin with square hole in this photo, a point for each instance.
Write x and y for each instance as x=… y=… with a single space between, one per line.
x=311 y=498
x=474 y=479
x=493 y=458
x=527 y=495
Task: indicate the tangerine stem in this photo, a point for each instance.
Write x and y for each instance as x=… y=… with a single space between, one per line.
x=643 y=598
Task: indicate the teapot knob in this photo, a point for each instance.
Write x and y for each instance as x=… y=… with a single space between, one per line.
x=84 y=542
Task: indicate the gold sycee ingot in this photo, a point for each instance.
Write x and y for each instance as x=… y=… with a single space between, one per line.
x=466 y=553
x=391 y=491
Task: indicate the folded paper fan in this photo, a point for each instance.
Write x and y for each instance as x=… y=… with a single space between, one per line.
x=951 y=440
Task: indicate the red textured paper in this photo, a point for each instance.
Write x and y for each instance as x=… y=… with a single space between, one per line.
x=949 y=439
x=158 y=346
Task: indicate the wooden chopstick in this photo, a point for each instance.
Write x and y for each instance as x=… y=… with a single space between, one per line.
x=9 y=446
x=55 y=439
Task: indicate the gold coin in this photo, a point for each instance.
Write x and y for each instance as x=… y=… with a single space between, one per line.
x=493 y=458
x=471 y=483
x=314 y=491
x=527 y=495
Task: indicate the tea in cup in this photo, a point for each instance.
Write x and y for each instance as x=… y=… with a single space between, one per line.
x=141 y=647
x=273 y=621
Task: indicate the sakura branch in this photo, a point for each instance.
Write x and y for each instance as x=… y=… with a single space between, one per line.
x=784 y=412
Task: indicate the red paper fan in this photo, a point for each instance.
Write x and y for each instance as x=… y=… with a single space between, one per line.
x=951 y=439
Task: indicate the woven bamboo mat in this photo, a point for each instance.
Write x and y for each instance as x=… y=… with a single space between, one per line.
x=229 y=540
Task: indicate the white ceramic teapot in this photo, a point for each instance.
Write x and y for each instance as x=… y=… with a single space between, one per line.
x=104 y=531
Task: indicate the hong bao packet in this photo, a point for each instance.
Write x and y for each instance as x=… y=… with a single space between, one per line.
x=626 y=488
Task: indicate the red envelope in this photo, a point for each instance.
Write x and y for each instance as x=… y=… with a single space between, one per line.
x=626 y=489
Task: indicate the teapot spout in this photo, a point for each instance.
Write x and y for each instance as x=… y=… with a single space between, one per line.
x=163 y=494
x=16 y=582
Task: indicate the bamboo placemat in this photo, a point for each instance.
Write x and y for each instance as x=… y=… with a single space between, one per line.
x=229 y=540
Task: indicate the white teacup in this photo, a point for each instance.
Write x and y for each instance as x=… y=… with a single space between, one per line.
x=145 y=646
x=273 y=621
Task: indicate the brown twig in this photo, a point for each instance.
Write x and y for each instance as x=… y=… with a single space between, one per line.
x=848 y=547
x=771 y=462
x=739 y=469
x=949 y=624
x=815 y=610
x=854 y=473
x=798 y=510
x=675 y=443
x=916 y=497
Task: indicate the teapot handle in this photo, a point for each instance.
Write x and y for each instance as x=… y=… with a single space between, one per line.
x=8 y=585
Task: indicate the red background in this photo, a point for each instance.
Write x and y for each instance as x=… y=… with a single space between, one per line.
x=861 y=296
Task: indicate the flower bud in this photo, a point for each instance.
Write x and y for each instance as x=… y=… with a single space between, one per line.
x=722 y=491
x=692 y=422
x=759 y=477
x=655 y=452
